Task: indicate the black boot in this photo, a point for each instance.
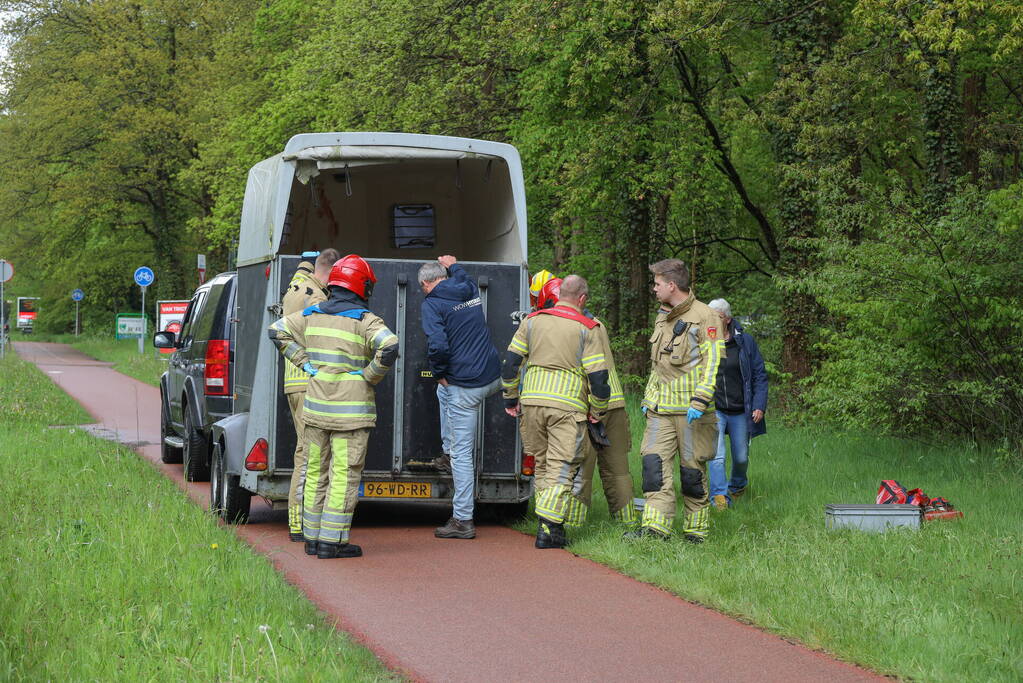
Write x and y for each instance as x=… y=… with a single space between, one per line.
x=329 y=551
x=311 y=547
x=550 y=535
x=295 y=537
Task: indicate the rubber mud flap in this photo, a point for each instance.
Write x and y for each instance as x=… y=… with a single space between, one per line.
x=692 y=482
x=653 y=477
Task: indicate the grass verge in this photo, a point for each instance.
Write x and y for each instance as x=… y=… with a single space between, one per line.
x=112 y=573
x=939 y=604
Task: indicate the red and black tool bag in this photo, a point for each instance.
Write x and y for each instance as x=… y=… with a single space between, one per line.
x=891 y=491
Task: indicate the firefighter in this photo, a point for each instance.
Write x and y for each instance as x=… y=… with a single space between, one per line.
x=564 y=385
x=613 y=457
x=536 y=284
x=305 y=289
x=686 y=348
x=346 y=350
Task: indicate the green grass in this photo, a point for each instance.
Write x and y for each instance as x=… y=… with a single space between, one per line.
x=123 y=353
x=944 y=603
x=111 y=573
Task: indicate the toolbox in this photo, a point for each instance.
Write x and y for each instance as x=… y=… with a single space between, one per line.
x=872 y=517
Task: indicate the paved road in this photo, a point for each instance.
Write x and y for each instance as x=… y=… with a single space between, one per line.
x=492 y=609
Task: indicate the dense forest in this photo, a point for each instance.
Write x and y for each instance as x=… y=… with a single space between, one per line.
x=847 y=173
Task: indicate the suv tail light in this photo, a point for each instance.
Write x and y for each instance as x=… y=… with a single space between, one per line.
x=528 y=463
x=256 y=460
x=217 y=378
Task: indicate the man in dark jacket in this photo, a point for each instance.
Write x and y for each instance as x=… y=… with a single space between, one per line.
x=467 y=369
x=741 y=400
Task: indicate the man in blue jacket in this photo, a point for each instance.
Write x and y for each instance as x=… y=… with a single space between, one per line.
x=741 y=400
x=467 y=369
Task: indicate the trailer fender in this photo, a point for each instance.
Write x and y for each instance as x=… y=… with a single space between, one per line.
x=231 y=432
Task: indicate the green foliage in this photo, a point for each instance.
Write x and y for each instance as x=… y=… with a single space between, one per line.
x=929 y=317
x=757 y=141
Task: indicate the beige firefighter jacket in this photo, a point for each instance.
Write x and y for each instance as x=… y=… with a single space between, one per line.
x=303 y=291
x=558 y=354
x=338 y=347
x=684 y=365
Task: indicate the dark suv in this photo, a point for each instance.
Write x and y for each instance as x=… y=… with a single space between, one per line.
x=196 y=390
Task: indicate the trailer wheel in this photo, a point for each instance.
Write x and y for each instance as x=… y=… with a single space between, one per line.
x=228 y=500
x=196 y=451
x=168 y=454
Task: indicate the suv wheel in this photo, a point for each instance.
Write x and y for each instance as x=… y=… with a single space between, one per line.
x=168 y=454
x=228 y=500
x=196 y=451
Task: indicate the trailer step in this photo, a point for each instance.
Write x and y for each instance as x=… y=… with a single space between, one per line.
x=174 y=441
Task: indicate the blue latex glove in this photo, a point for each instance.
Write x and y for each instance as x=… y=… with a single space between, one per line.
x=355 y=372
x=644 y=409
x=693 y=414
x=308 y=367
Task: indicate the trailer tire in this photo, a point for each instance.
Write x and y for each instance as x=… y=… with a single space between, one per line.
x=168 y=454
x=195 y=454
x=228 y=500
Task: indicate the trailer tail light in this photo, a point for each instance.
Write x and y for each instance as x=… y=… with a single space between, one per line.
x=216 y=377
x=256 y=460
x=528 y=463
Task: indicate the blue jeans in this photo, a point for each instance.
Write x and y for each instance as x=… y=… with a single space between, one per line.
x=737 y=428
x=443 y=400
x=460 y=411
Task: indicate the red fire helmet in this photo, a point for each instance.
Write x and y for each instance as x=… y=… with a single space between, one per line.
x=353 y=273
x=549 y=294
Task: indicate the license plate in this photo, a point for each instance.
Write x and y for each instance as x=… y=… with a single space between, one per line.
x=396 y=489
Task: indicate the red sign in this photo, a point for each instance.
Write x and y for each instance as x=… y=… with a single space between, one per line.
x=169 y=316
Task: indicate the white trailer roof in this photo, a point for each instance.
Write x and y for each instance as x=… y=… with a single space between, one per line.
x=270 y=181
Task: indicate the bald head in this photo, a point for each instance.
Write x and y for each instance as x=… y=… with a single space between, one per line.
x=573 y=290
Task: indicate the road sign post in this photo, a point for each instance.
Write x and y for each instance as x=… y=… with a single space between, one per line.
x=6 y=273
x=143 y=278
x=200 y=264
x=77 y=295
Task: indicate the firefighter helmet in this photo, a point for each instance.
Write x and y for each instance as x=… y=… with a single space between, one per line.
x=549 y=294
x=353 y=273
x=536 y=284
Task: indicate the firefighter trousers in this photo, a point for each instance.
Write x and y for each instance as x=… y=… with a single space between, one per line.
x=615 y=478
x=695 y=444
x=556 y=440
x=333 y=472
x=295 y=402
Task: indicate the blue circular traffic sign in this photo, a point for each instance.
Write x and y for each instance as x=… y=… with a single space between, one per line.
x=144 y=276
x=77 y=295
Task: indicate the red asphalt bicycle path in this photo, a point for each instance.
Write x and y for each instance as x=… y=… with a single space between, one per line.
x=492 y=609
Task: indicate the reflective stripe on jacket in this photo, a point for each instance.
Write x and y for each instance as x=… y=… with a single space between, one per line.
x=304 y=290
x=558 y=355
x=684 y=366
x=338 y=346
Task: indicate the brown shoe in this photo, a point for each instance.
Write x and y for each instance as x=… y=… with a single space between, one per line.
x=721 y=502
x=456 y=528
x=443 y=463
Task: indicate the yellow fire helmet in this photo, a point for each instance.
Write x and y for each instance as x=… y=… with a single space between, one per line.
x=537 y=283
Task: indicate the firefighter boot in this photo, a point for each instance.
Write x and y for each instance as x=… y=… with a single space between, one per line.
x=550 y=535
x=311 y=547
x=295 y=537
x=330 y=551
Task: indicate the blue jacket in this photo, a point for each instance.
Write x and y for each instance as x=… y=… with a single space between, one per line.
x=754 y=379
x=460 y=349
